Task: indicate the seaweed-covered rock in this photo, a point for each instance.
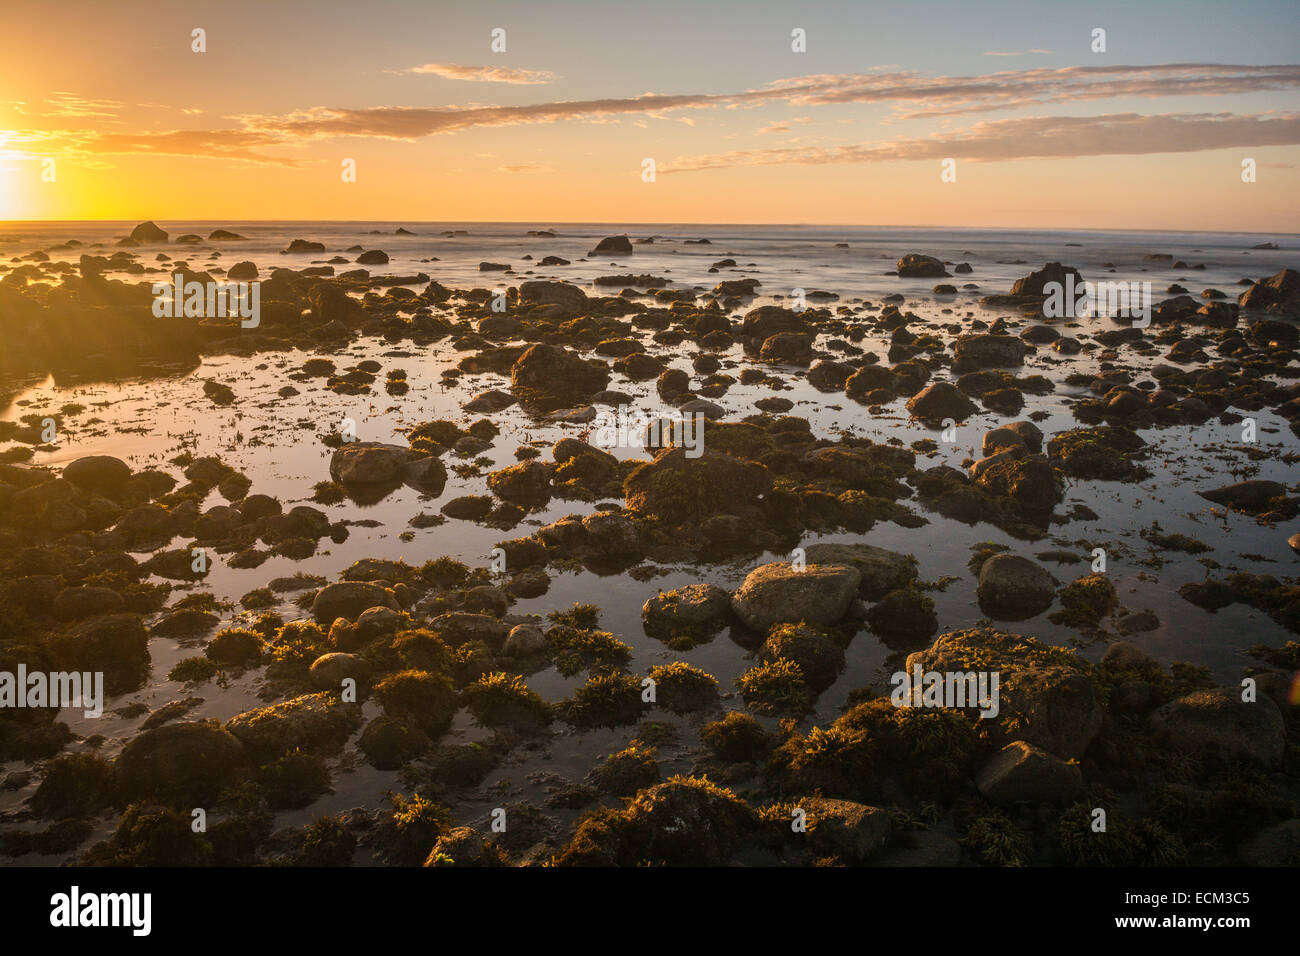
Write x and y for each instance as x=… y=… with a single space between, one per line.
x=551 y=375
x=684 y=490
x=1218 y=724
x=348 y=599
x=690 y=608
x=685 y=821
x=1047 y=696
x=1022 y=772
x=313 y=723
x=115 y=644
x=183 y=763
x=940 y=401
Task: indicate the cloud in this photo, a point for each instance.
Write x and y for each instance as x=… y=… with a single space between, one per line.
x=525 y=168
x=485 y=74
x=922 y=96
x=243 y=146
x=1017 y=53
x=785 y=125
x=912 y=95
x=1046 y=137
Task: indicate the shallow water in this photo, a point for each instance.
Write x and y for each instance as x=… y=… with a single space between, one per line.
x=276 y=442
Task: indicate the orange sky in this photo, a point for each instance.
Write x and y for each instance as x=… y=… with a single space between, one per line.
x=1044 y=131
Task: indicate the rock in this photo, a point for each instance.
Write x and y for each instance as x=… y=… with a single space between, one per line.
x=305 y=246
x=1251 y=497
x=1012 y=588
x=1124 y=656
x=527 y=482
x=819 y=657
x=313 y=723
x=940 y=401
x=1218 y=724
x=348 y=599
x=457 y=628
x=76 y=603
x=792 y=347
x=1053 y=272
x=841 y=829
x=100 y=473
x=612 y=246
x=552 y=293
x=688 y=609
x=373 y=257
x=916 y=266
x=551 y=372
x=329 y=303
x=1280 y=289
x=241 y=271
x=686 y=490
x=612 y=535
x=778 y=593
x=329 y=671
x=525 y=640
x=1294 y=542
x=148 y=232
x=115 y=644
x=1021 y=772
x=374 y=463
x=879 y=571
x=389 y=742
x=493 y=400
x=464 y=846
x=1046 y=695
x=187 y=762
x=762 y=323
x=972 y=352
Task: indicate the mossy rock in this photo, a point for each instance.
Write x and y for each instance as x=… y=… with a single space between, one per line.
x=184 y=763
x=1048 y=695
x=314 y=723
x=685 y=821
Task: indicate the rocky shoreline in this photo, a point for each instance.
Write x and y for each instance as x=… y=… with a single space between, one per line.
x=381 y=668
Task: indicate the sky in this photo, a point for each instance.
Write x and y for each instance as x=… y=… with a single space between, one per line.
x=108 y=112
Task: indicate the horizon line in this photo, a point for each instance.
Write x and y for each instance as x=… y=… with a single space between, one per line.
x=625 y=224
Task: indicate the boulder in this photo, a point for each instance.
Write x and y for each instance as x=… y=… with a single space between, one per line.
x=100 y=473
x=940 y=401
x=348 y=599
x=148 y=232
x=1218 y=724
x=1012 y=588
x=916 y=266
x=1022 y=772
x=612 y=246
x=879 y=571
x=778 y=593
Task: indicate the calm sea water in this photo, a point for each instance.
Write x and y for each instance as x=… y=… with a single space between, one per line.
x=785 y=256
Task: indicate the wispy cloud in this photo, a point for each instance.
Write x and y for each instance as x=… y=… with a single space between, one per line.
x=1045 y=137
x=525 y=168
x=485 y=74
